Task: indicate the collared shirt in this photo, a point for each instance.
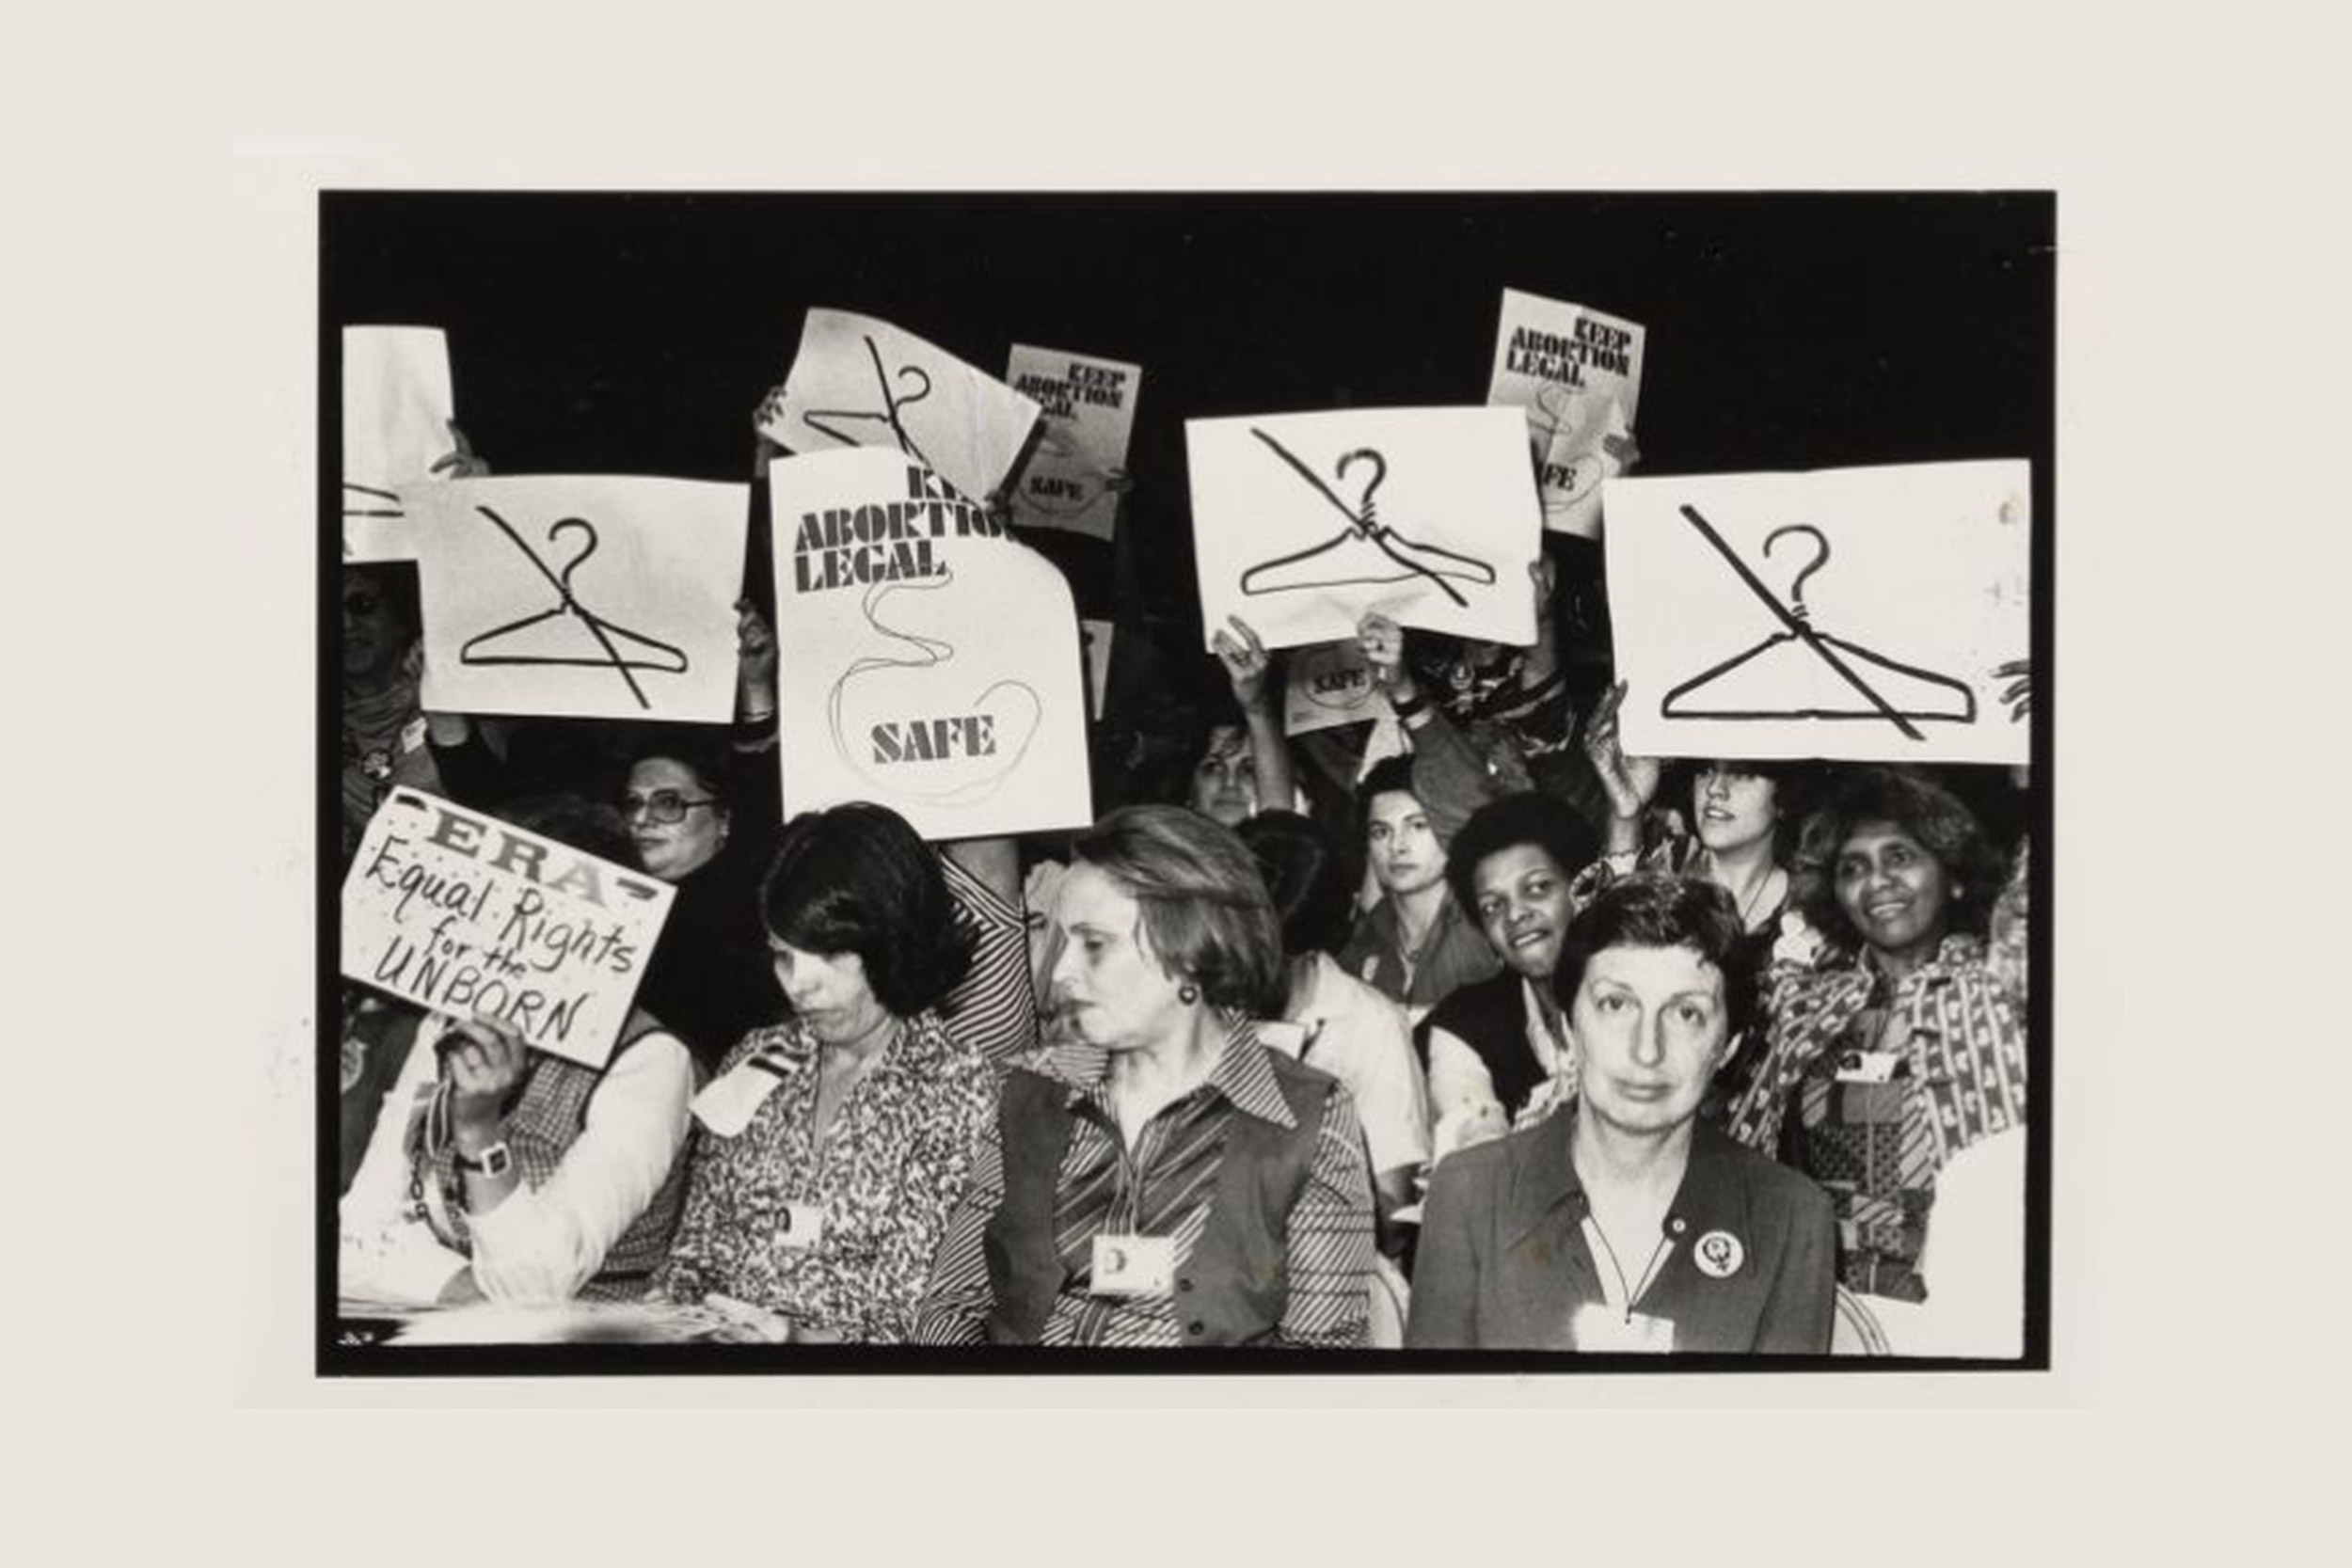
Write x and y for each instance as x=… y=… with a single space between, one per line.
x=886 y=1175
x=1163 y=1187
x=1745 y=1263
x=1453 y=953
x=1347 y=1029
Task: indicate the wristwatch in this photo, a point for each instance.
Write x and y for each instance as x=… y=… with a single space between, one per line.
x=494 y=1161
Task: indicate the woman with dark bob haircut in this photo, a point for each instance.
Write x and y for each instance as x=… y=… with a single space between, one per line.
x=1625 y=1222
x=1162 y=1177
x=1895 y=1047
x=838 y=1142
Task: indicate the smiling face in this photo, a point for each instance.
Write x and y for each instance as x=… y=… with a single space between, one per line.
x=1732 y=808
x=1225 y=785
x=1404 y=849
x=1650 y=1028
x=829 y=992
x=672 y=849
x=1893 y=890
x=1523 y=908
x=1109 y=983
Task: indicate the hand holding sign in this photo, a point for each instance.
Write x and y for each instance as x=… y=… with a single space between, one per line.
x=1245 y=662
x=486 y=1063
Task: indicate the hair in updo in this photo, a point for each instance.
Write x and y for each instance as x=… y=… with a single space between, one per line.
x=1203 y=904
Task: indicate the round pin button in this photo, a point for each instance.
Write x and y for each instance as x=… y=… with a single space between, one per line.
x=1720 y=1253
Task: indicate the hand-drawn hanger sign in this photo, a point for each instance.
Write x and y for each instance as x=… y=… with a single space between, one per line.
x=1304 y=522
x=932 y=663
x=861 y=382
x=1857 y=613
x=584 y=597
x=397 y=407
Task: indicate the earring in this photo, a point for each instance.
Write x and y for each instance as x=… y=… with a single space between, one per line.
x=1188 y=993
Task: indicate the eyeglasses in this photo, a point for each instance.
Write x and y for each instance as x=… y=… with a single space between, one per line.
x=361 y=604
x=663 y=807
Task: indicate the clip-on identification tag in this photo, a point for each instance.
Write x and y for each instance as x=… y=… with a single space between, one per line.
x=1134 y=1266
x=1597 y=1326
x=1868 y=1067
x=801 y=1226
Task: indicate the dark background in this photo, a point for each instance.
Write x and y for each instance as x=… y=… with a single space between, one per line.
x=635 y=334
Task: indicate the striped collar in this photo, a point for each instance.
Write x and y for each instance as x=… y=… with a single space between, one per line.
x=1243 y=1074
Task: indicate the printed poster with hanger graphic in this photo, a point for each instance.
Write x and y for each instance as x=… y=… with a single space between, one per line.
x=397 y=408
x=1304 y=523
x=932 y=663
x=861 y=382
x=581 y=596
x=1329 y=685
x=1576 y=371
x=1089 y=412
x=1858 y=614
x=462 y=913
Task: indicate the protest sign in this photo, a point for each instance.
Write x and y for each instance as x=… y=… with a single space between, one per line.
x=1852 y=613
x=1096 y=638
x=859 y=382
x=933 y=662
x=1087 y=407
x=397 y=407
x=1304 y=523
x=1329 y=685
x=581 y=596
x=462 y=913
x=1576 y=371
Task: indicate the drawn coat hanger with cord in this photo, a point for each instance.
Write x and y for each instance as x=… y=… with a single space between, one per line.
x=580 y=626
x=1365 y=551
x=1801 y=672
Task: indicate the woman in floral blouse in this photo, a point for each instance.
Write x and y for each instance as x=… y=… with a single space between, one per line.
x=1897 y=1044
x=835 y=1144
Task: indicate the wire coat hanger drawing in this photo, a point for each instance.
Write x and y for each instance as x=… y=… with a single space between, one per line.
x=1279 y=575
x=888 y=415
x=1835 y=652
x=568 y=606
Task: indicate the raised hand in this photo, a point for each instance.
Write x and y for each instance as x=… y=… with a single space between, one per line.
x=486 y=1060
x=2018 y=694
x=1631 y=783
x=461 y=462
x=1245 y=662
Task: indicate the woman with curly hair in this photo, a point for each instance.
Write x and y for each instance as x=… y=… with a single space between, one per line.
x=1896 y=1046
x=836 y=1144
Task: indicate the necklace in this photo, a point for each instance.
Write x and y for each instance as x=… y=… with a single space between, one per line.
x=1628 y=1295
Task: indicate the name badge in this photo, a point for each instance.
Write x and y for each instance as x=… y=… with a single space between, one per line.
x=1134 y=1265
x=1597 y=1326
x=801 y=1226
x=413 y=734
x=1868 y=1067
x=727 y=1104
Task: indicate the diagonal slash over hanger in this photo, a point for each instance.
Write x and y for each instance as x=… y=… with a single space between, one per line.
x=1798 y=626
x=564 y=591
x=1363 y=525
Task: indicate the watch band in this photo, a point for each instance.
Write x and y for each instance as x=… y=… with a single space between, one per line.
x=494 y=1162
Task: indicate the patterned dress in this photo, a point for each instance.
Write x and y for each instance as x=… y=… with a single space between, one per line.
x=886 y=1177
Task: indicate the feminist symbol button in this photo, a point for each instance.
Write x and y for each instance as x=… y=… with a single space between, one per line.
x=1719 y=1255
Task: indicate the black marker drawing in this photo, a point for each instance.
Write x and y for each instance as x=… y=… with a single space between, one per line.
x=1801 y=632
x=355 y=500
x=888 y=415
x=1345 y=558
x=567 y=608
x=927 y=652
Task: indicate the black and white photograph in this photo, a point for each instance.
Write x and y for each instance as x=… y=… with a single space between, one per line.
x=1272 y=783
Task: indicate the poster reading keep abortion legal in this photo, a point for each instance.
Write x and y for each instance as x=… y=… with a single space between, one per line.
x=1577 y=374
x=580 y=596
x=1863 y=614
x=860 y=382
x=462 y=913
x=933 y=662
x=1304 y=523
x=1088 y=411
x=397 y=407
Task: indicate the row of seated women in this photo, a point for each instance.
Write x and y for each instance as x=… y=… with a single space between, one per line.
x=1181 y=1155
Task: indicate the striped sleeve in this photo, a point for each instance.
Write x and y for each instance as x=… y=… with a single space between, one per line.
x=994 y=1009
x=955 y=1300
x=1329 y=1301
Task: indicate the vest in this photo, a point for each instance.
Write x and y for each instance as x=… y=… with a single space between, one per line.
x=550 y=1113
x=1231 y=1289
x=1490 y=1017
